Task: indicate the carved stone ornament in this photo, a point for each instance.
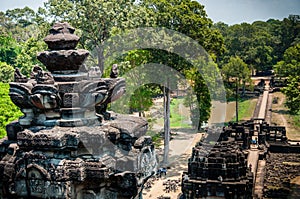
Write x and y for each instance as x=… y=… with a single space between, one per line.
x=67 y=145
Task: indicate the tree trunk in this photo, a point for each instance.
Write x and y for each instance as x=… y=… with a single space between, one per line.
x=236 y=101
x=244 y=88
x=166 y=124
x=100 y=57
x=199 y=107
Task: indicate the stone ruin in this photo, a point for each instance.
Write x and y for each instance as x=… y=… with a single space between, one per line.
x=67 y=145
x=219 y=170
x=280 y=171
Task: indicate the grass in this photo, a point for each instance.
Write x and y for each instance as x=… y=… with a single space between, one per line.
x=296 y=119
x=246 y=109
x=156 y=137
x=294 y=126
x=177 y=118
x=280 y=113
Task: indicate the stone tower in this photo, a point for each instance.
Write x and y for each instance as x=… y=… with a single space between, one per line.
x=67 y=145
x=218 y=170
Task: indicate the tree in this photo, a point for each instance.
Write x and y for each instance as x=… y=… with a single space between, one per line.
x=6 y=72
x=251 y=42
x=200 y=103
x=189 y=18
x=290 y=32
x=27 y=58
x=21 y=34
x=23 y=23
x=22 y=16
x=141 y=100
x=9 y=49
x=290 y=67
x=292 y=92
x=8 y=110
x=237 y=69
x=98 y=20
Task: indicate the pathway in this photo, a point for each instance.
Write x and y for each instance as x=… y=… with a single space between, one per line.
x=180 y=150
x=253 y=159
x=259 y=182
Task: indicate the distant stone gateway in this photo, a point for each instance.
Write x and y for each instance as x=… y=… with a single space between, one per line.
x=67 y=145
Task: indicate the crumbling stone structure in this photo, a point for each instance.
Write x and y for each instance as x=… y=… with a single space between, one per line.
x=220 y=170
x=281 y=169
x=67 y=145
x=240 y=132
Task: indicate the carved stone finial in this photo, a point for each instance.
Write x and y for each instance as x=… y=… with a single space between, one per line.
x=114 y=71
x=19 y=77
x=64 y=28
x=35 y=70
x=62 y=37
x=94 y=72
x=44 y=78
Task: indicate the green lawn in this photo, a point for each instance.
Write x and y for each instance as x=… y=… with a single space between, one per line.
x=246 y=109
x=177 y=120
x=296 y=119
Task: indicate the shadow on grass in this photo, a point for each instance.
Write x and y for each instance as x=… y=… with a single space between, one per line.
x=295 y=193
x=281 y=111
x=241 y=99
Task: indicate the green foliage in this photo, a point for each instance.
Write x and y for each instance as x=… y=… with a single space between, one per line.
x=141 y=100
x=178 y=120
x=8 y=111
x=99 y=20
x=23 y=23
x=246 y=109
x=260 y=44
x=199 y=107
x=132 y=59
x=290 y=65
x=189 y=18
x=27 y=58
x=236 y=70
x=6 y=72
x=8 y=49
x=292 y=92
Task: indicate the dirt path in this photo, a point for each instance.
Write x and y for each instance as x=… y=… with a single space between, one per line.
x=281 y=117
x=180 y=150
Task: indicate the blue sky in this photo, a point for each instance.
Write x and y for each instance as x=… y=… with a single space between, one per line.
x=228 y=11
x=238 y=11
x=11 y=4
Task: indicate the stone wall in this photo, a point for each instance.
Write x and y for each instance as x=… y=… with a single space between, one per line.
x=281 y=168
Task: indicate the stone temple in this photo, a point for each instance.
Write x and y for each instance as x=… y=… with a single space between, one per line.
x=67 y=145
x=218 y=170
